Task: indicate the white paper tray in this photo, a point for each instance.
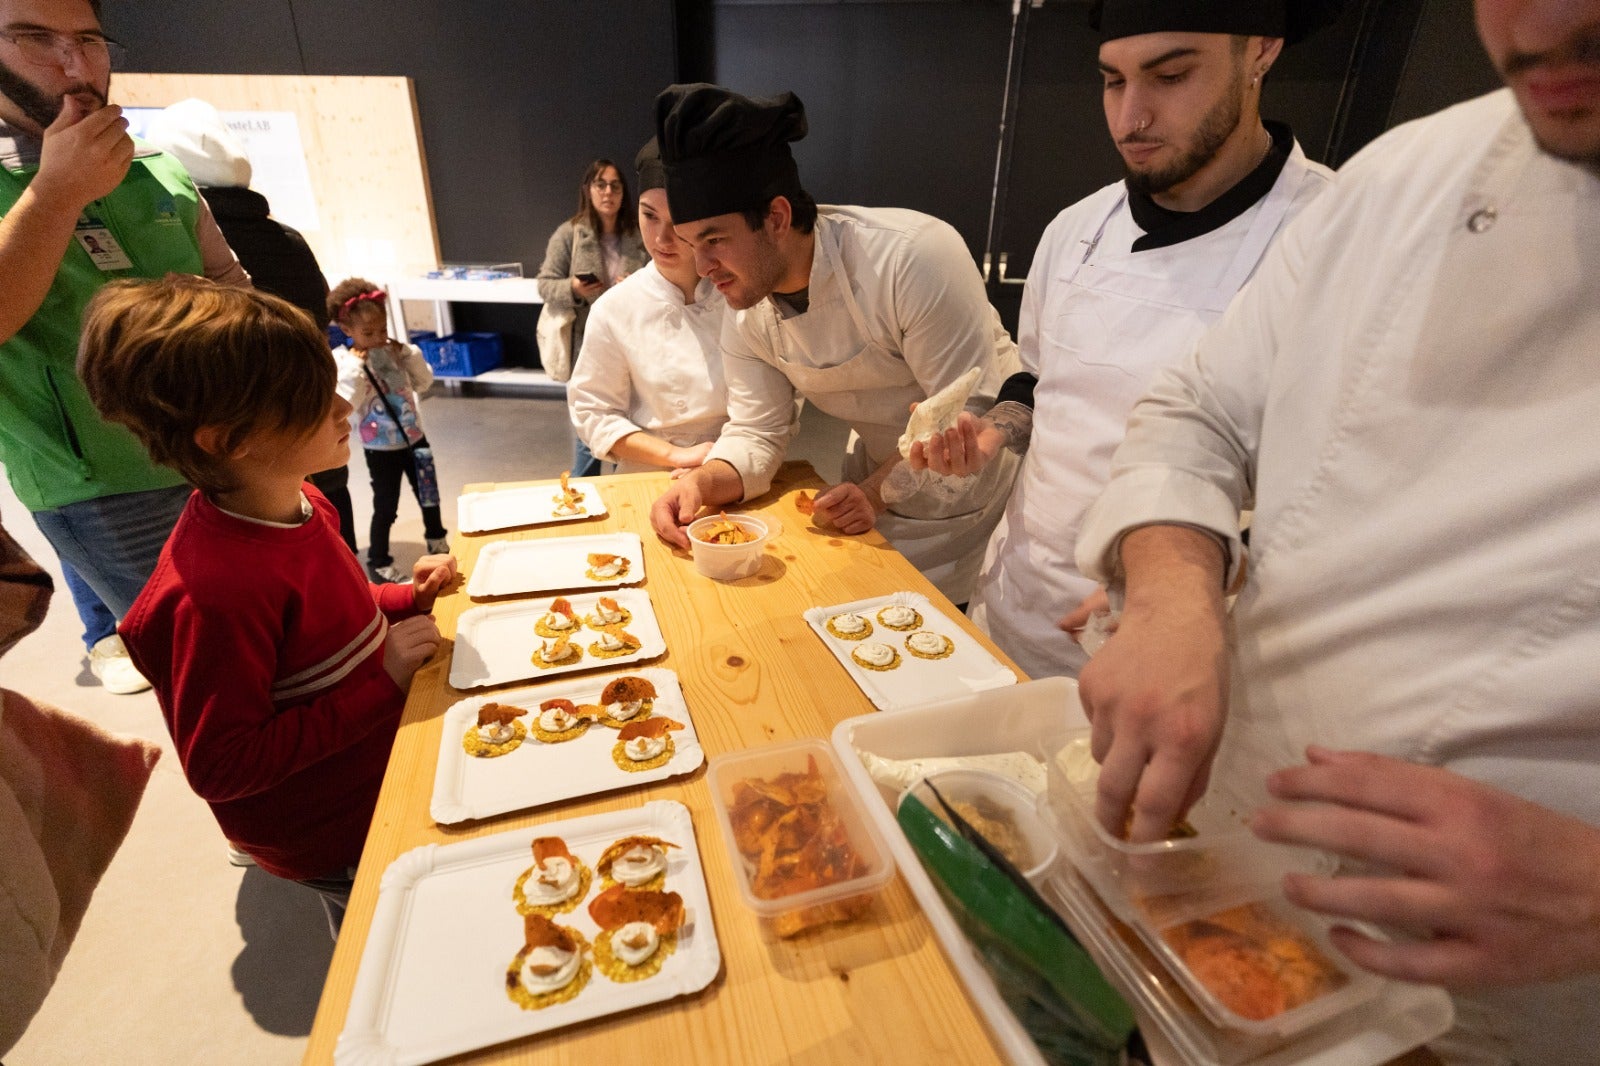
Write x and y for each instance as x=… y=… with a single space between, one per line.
x=467 y=786
x=511 y=567
x=495 y=644
x=915 y=680
x=1401 y=1017
x=531 y=505
x=432 y=978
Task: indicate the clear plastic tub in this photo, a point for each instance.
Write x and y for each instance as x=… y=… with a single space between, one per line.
x=1023 y=837
x=729 y=562
x=783 y=914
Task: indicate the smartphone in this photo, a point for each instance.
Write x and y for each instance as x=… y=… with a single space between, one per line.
x=589 y=279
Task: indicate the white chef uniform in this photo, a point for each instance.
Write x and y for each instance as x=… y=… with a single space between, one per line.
x=897 y=311
x=1409 y=390
x=650 y=362
x=1098 y=321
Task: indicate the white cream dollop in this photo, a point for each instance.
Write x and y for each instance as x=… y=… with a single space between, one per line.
x=553 y=881
x=898 y=615
x=638 y=864
x=496 y=732
x=624 y=711
x=555 y=720
x=927 y=643
x=635 y=942
x=552 y=620
x=601 y=611
x=611 y=569
x=875 y=654
x=641 y=748
x=548 y=968
x=849 y=623
x=610 y=642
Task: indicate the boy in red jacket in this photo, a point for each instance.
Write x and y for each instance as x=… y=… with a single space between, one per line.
x=280 y=669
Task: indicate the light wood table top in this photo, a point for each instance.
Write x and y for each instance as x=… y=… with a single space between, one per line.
x=877 y=989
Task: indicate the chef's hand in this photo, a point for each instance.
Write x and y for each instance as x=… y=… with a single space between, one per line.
x=1156 y=693
x=1097 y=602
x=588 y=290
x=429 y=577
x=407 y=647
x=1501 y=890
x=686 y=459
x=676 y=508
x=960 y=451
x=85 y=155
x=848 y=508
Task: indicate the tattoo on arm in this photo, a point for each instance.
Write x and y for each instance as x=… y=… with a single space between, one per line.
x=1015 y=420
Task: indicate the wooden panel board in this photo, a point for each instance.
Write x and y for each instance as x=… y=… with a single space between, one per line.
x=363 y=148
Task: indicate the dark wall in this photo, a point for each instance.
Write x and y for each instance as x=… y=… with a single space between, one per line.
x=1446 y=63
x=514 y=97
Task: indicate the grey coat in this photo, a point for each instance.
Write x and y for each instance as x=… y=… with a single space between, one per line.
x=575 y=249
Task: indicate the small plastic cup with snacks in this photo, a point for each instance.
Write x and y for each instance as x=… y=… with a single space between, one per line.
x=727 y=547
x=830 y=872
x=1002 y=811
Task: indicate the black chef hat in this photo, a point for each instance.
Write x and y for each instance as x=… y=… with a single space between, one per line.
x=1293 y=20
x=724 y=152
x=647 y=164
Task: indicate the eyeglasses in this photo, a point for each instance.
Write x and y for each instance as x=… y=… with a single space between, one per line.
x=606 y=186
x=46 y=48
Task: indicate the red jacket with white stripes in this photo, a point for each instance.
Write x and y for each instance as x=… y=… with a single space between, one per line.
x=265 y=648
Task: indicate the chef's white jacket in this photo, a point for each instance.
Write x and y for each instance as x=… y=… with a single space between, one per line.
x=897 y=311
x=652 y=363
x=1409 y=395
x=1098 y=322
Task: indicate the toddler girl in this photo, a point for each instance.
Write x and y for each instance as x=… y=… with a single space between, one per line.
x=381 y=378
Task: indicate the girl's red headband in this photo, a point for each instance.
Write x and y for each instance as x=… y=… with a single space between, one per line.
x=376 y=296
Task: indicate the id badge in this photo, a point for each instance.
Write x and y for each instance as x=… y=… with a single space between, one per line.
x=93 y=236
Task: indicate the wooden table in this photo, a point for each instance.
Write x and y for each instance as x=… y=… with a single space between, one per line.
x=875 y=990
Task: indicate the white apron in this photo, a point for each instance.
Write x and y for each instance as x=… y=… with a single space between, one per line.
x=1105 y=330
x=873 y=390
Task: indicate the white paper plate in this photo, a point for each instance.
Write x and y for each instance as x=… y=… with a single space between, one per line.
x=465 y=786
x=532 y=505
x=509 y=567
x=432 y=978
x=495 y=644
x=914 y=681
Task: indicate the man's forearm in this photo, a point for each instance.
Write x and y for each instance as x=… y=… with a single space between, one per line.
x=34 y=237
x=719 y=483
x=1163 y=562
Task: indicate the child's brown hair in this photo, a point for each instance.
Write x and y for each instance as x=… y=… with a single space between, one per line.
x=356 y=298
x=167 y=357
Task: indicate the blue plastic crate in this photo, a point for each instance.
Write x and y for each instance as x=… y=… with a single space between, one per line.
x=460 y=355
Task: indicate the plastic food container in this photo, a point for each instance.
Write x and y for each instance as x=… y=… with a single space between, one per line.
x=1006 y=815
x=743 y=779
x=1167 y=881
x=729 y=562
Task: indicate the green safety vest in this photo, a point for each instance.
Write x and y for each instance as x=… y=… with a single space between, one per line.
x=56 y=448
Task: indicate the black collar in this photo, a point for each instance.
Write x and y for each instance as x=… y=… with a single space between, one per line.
x=1163 y=228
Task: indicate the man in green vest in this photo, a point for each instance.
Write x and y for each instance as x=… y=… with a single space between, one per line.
x=81 y=204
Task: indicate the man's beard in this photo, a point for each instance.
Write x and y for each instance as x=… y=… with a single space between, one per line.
x=1584 y=50
x=38 y=105
x=1214 y=131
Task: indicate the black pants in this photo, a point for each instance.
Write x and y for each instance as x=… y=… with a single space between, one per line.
x=385 y=469
x=335 y=485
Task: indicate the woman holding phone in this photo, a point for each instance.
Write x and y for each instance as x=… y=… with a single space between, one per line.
x=587 y=254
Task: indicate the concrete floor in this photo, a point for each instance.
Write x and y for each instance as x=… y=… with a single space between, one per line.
x=184 y=959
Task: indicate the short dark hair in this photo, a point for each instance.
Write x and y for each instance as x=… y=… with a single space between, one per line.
x=167 y=357
x=802 y=215
x=627 y=215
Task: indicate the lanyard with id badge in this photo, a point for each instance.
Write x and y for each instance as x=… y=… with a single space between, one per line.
x=94 y=236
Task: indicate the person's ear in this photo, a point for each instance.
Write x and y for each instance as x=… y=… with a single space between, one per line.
x=780 y=216
x=213 y=440
x=1266 y=55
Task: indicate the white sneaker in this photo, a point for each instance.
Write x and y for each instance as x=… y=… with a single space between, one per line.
x=439 y=546
x=386 y=575
x=238 y=857
x=108 y=661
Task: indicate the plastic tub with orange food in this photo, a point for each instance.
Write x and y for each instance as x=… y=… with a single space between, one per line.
x=830 y=870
